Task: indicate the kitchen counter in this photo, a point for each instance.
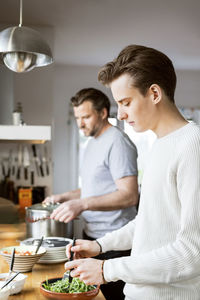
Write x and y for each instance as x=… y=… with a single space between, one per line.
x=11 y=234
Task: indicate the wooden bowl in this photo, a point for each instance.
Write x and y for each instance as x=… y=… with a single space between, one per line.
x=67 y=296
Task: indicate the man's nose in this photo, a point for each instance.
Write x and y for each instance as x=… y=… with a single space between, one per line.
x=121 y=115
x=80 y=123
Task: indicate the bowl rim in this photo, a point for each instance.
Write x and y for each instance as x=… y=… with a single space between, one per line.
x=2 y=275
x=49 y=249
x=41 y=251
x=55 y=293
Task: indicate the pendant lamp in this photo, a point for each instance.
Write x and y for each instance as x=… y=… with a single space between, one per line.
x=22 y=48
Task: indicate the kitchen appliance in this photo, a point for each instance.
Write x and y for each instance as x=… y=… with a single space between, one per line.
x=39 y=224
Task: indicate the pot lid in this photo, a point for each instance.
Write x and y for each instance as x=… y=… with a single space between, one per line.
x=42 y=207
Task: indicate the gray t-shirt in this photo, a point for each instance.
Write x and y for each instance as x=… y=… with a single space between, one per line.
x=107 y=158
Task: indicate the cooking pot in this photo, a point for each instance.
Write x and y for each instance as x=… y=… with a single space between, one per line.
x=39 y=224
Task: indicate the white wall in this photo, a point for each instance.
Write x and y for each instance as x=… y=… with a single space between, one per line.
x=188 y=88
x=6 y=95
x=34 y=90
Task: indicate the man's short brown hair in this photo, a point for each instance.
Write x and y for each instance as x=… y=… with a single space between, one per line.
x=145 y=65
x=96 y=97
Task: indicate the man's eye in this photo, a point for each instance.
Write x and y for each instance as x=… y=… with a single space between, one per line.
x=126 y=103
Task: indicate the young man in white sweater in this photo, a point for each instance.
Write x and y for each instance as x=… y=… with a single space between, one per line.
x=165 y=236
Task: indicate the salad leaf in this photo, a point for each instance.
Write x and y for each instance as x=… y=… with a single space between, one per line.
x=63 y=286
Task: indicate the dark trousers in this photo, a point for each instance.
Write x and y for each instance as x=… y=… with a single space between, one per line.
x=111 y=290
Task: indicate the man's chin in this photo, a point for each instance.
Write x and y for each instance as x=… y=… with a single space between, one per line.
x=86 y=133
x=138 y=129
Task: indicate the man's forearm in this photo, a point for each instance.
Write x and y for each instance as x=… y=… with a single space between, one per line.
x=75 y=194
x=112 y=201
x=126 y=195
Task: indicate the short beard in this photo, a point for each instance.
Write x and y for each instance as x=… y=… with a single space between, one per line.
x=93 y=132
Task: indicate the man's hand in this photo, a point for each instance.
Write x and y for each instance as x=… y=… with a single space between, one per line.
x=83 y=248
x=89 y=270
x=68 y=210
x=53 y=199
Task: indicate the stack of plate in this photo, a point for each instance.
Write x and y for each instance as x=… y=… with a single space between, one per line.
x=55 y=246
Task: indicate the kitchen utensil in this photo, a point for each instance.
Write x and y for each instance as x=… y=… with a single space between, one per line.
x=50 y=207
x=3 y=169
x=19 y=162
x=36 y=159
x=32 y=172
x=67 y=274
x=29 y=220
x=26 y=162
x=46 y=160
x=39 y=244
x=67 y=296
x=11 y=263
x=13 y=159
x=40 y=162
x=38 y=222
x=11 y=279
x=9 y=163
x=32 y=178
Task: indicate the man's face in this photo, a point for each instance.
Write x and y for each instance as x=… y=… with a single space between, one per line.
x=88 y=119
x=137 y=110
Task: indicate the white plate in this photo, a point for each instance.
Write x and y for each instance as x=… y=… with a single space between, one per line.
x=52 y=261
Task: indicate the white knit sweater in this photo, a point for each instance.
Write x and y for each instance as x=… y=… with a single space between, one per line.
x=165 y=236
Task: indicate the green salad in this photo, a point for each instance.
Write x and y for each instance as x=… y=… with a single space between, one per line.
x=63 y=286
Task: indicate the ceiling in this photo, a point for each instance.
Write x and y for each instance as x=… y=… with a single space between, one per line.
x=92 y=32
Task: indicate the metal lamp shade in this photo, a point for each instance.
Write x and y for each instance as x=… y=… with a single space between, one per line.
x=22 y=49
x=19 y=61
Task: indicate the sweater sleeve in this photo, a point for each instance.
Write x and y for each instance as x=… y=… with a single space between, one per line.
x=179 y=260
x=120 y=239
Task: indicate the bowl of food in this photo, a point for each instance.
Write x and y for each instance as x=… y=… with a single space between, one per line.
x=25 y=257
x=59 y=288
x=16 y=285
x=4 y=293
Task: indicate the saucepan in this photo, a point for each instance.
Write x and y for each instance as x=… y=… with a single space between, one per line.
x=38 y=222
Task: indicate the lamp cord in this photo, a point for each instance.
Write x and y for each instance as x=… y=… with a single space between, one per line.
x=20 y=22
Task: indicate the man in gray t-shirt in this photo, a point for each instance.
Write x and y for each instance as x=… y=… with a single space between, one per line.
x=108 y=158
x=109 y=190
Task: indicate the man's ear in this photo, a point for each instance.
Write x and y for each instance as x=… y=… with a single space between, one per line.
x=155 y=93
x=104 y=113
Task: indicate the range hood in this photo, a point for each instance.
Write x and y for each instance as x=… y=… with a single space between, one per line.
x=24 y=133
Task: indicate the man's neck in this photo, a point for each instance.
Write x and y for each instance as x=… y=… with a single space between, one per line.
x=103 y=128
x=169 y=120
